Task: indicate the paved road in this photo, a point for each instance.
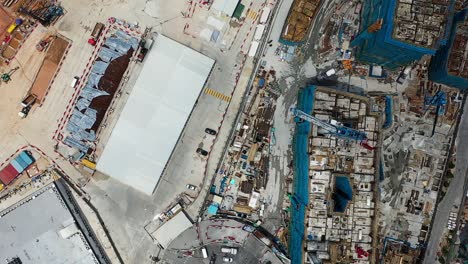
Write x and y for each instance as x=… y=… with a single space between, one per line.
x=454 y=193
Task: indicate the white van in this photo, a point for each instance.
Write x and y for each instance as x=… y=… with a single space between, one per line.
x=204 y=252
x=74 y=81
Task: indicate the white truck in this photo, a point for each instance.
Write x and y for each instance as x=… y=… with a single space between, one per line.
x=229 y=250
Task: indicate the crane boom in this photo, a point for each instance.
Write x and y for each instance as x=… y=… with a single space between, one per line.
x=338 y=131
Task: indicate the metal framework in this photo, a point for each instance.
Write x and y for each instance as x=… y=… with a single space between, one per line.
x=338 y=131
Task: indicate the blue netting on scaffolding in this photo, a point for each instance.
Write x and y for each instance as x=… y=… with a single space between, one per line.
x=438 y=70
x=301 y=176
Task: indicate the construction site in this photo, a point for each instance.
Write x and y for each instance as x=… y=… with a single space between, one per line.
x=416 y=150
x=334 y=187
x=295 y=131
x=241 y=180
x=20 y=18
x=392 y=28
x=458 y=60
x=420 y=23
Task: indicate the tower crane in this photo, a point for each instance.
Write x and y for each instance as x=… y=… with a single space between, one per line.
x=439 y=100
x=334 y=130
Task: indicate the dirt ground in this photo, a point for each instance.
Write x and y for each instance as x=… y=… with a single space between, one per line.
x=48 y=68
x=56 y=50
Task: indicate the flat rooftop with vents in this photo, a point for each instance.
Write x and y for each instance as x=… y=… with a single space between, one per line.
x=41 y=229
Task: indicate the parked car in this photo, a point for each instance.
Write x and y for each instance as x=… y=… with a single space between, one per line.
x=210 y=131
x=74 y=81
x=191 y=187
x=202 y=152
x=227 y=259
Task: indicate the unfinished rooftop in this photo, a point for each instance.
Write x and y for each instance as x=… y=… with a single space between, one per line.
x=458 y=57
x=420 y=22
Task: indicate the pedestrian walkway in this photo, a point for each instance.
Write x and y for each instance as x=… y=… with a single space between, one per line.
x=217 y=94
x=252 y=15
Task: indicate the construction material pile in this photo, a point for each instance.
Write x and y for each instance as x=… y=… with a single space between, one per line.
x=299 y=21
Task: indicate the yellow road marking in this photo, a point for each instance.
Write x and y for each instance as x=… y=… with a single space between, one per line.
x=217 y=94
x=252 y=14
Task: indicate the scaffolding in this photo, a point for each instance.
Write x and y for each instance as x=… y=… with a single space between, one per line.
x=450 y=64
x=300 y=198
x=405 y=35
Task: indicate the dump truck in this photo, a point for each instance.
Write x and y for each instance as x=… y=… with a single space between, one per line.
x=29 y=100
x=96 y=33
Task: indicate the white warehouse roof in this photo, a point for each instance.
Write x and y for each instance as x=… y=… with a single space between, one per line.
x=155 y=114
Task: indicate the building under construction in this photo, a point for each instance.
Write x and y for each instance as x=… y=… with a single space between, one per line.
x=299 y=20
x=450 y=64
x=333 y=202
x=397 y=32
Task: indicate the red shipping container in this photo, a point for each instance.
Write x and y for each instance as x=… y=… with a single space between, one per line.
x=8 y=174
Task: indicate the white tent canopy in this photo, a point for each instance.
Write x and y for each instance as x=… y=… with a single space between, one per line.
x=155 y=114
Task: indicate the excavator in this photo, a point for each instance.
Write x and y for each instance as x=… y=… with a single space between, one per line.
x=6 y=77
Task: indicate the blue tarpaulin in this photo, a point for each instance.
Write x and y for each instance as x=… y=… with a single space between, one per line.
x=99 y=67
x=118 y=44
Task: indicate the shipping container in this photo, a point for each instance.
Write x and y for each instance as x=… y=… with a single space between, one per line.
x=8 y=174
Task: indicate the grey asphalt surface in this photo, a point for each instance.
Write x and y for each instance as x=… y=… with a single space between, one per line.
x=455 y=192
